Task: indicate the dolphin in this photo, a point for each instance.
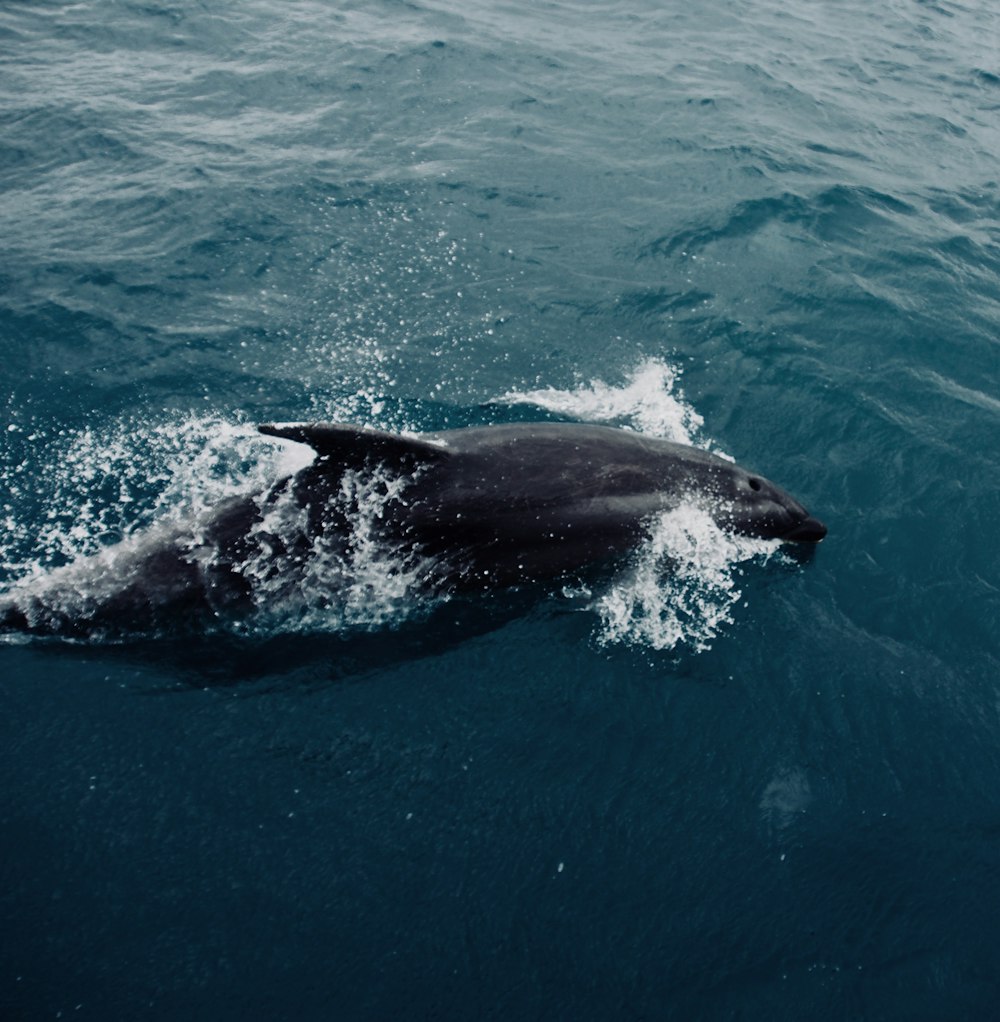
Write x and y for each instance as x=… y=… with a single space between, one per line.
x=480 y=507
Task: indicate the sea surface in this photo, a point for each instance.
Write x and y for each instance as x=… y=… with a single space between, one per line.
x=720 y=780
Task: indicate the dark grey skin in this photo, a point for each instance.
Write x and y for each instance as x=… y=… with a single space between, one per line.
x=534 y=501
x=489 y=506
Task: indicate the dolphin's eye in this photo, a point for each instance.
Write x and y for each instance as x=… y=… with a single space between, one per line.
x=754 y=483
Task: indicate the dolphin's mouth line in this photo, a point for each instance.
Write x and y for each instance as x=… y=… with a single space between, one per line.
x=809 y=530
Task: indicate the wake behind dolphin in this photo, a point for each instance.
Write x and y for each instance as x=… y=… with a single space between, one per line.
x=459 y=510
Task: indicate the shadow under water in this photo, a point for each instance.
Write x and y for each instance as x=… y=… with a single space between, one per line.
x=225 y=658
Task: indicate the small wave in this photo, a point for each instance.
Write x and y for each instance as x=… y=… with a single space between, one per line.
x=839 y=212
x=650 y=400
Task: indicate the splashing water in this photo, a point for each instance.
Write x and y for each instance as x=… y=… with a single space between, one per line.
x=91 y=506
x=681 y=587
x=252 y=565
x=651 y=401
x=349 y=578
x=71 y=495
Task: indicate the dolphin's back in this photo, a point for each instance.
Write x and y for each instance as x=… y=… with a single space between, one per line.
x=519 y=500
x=536 y=500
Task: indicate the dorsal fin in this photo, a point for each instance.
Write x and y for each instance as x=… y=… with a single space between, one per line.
x=353 y=446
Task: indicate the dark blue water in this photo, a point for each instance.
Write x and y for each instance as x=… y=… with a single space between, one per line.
x=754 y=786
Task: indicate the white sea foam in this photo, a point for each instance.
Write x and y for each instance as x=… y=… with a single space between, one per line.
x=352 y=577
x=110 y=499
x=93 y=486
x=681 y=587
x=650 y=400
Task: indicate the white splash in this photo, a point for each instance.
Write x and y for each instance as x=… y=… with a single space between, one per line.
x=681 y=588
x=682 y=585
x=350 y=577
x=94 y=486
x=103 y=497
x=651 y=401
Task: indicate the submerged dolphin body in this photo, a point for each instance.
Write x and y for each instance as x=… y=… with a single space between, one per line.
x=494 y=505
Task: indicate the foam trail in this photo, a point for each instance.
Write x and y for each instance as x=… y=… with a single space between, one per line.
x=127 y=516
x=189 y=569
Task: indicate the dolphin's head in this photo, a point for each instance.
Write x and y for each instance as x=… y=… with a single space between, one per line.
x=754 y=506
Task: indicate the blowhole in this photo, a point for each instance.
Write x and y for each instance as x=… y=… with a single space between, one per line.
x=754 y=483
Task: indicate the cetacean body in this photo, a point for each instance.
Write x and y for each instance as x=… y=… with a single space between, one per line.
x=535 y=500
x=485 y=506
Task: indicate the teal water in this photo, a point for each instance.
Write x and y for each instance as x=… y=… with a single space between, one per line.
x=752 y=786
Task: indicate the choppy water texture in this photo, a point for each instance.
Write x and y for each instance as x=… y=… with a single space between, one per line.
x=717 y=782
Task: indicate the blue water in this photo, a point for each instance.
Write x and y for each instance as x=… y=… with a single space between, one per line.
x=760 y=787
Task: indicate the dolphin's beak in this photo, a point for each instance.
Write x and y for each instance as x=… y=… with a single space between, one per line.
x=809 y=530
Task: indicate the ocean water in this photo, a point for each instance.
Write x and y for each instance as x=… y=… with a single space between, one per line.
x=719 y=781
